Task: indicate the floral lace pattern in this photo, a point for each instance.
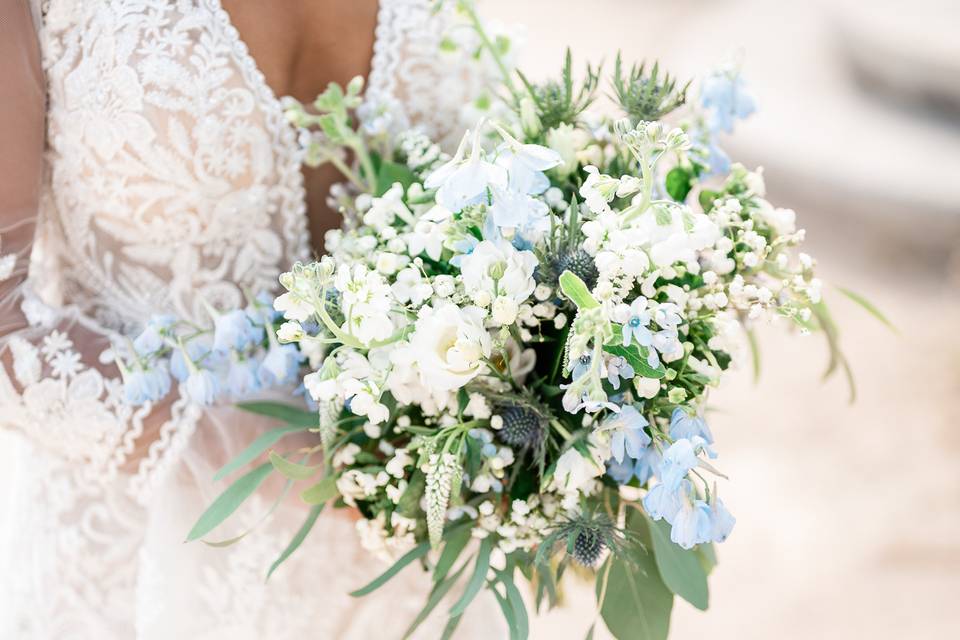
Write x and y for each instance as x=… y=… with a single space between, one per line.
x=172 y=178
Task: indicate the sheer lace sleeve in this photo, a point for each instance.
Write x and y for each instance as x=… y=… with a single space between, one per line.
x=58 y=381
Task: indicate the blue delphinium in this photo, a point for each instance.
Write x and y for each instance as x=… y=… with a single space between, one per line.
x=692 y=524
x=627 y=435
x=726 y=97
x=146 y=385
x=687 y=424
x=242 y=378
x=202 y=386
x=151 y=339
x=280 y=365
x=233 y=330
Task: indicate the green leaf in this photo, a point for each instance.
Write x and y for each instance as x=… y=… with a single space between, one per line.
x=391 y=172
x=707 y=198
x=436 y=595
x=637 y=604
x=291 y=470
x=575 y=289
x=228 y=501
x=451 y=626
x=293 y=416
x=508 y=614
x=754 y=353
x=258 y=446
x=708 y=557
x=414 y=554
x=679 y=182
x=298 y=539
x=516 y=603
x=457 y=540
x=636 y=356
x=680 y=569
x=321 y=492
x=869 y=307
x=476 y=579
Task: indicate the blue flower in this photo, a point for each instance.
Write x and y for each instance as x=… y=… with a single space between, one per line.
x=722 y=521
x=461 y=183
x=621 y=472
x=677 y=462
x=725 y=95
x=692 y=524
x=684 y=424
x=663 y=502
x=233 y=330
x=280 y=365
x=617 y=368
x=202 y=386
x=197 y=350
x=150 y=339
x=628 y=437
x=635 y=327
x=242 y=378
x=582 y=367
x=146 y=385
x=648 y=464
x=528 y=217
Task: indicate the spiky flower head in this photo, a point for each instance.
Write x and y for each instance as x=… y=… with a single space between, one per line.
x=522 y=426
x=645 y=96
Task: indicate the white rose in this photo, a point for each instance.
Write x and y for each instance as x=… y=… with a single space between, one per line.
x=450 y=344
x=574 y=471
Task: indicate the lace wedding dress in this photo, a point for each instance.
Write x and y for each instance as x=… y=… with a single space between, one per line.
x=169 y=175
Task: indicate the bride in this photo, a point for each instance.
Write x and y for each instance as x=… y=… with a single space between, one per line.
x=145 y=167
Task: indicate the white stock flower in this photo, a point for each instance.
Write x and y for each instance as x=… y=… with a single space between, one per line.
x=365 y=301
x=411 y=287
x=450 y=344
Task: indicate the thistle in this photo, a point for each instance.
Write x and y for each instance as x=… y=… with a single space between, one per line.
x=522 y=426
x=585 y=537
x=556 y=102
x=646 y=97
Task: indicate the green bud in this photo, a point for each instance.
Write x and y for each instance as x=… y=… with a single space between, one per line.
x=529 y=119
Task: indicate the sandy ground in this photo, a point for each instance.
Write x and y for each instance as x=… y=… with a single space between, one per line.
x=848 y=515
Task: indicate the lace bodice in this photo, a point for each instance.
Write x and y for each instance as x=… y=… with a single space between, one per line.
x=172 y=180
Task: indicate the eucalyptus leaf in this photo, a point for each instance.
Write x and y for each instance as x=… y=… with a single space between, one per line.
x=414 y=554
x=869 y=307
x=476 y=579
x=636 y=605
x=457 y=540
x=436 y=595
x=680 y=569
x=291 y=415
x=516 y=603
x=322 y=492
x=298 y=539
x=228 y=501
x=257 y=447
x=292 y=470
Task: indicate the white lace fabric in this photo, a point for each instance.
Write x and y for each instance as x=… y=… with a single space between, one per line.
x=170 y=176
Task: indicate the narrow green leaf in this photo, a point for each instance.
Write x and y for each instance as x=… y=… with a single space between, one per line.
x=476 y=579
x=452 y=623
x=680 y=569
x=508 y=614
x=321 y=492
x=516 y=603
x=637 y=357
x=576 y=289
x=257 y=447
x=298 y=539
x=414 y=554
x=869 y=307
x=636 y=605
x=228 y=501
x=436 y=595
x=754 y=353
x=457 y=540
x=293 y=416
x=291 y=470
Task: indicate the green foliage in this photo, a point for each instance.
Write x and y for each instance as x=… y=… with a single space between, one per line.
x=389 y=173
x=228 y=501
x=680 y=569
x=414 y=554
x=322 y=492
x=291 y=470
x=645 y=96
x=556 y=101
x=637 y=357
x=298 y=538
x=868 y=306
x=288 y=414
x=576 y=290
x=257 y=447
x=476 y=578
x=679 y=182
x=636 y=604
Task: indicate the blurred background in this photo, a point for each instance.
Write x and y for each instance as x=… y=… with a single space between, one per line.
x=848 y=515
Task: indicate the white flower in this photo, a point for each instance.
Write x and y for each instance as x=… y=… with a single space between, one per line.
x=290 y=332
x=504 y=310
x=450 y=344
x=410 y=287
x=365 y=301
x=575 y=470
x=444 y=286
x=477 y=407
x=346 y=455
x=464 y=182
x=386 y=208
x=396 y=465
x=500 y=270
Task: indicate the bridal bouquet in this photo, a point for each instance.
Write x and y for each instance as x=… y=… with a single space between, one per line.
x=510 y=350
